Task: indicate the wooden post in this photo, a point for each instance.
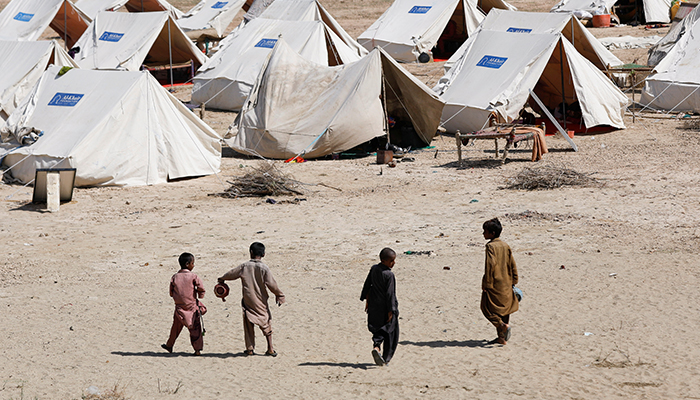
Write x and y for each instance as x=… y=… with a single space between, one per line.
x=634 y=84
x=53 y=191
x=201 y=110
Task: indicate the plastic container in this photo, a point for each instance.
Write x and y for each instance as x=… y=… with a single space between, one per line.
x=571 y=134
x=601 y=21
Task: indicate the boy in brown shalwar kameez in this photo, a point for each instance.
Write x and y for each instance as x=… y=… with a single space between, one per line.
x=256 y=278
x=498 y=300
x=185 y=287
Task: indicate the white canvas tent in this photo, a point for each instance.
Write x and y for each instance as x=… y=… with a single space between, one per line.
x=532 y=23
x=153 y=5
x=654 y=10
x=500 y=69
x=298 y=107
x=210 y=18
x=256 y=8
x=302 y=10
x=115 y=127
x=117 y=40
x=408 y=28
x=658 y=51
x=226 y=79
x=26 y=20
x=92 y=7
x=675 y=85
x=22 y=65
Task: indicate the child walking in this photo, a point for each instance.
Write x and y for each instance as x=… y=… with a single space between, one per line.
x=256 y=278
x=382 y=307
x=498 y=299
x=185 y=287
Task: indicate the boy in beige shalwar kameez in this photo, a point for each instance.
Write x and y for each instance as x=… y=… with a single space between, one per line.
x=256 y=278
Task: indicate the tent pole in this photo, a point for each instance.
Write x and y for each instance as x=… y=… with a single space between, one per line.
x=561 y=69
x=170 y=50
x=65 y=25
x=572 y=31
x=386 y=114
x=141 y=5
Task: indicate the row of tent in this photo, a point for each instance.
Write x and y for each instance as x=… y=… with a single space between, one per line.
x=310 y=89
x=314 y=92
x=29 y=19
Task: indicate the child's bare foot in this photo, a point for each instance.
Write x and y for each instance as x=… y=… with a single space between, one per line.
x=248 y=352
x=197 y=353
x=501 y=340
x=167 y=348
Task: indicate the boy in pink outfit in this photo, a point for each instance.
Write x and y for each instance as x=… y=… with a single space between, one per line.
x=185 y=287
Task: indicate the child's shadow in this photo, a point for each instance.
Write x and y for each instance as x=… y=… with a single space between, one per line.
x=450 y=343
x=343 y=365
x=169 y=355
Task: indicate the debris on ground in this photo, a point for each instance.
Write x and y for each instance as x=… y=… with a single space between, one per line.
x=265 y=180
x=550 y=177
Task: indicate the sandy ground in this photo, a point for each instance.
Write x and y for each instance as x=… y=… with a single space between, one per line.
x=609 y=274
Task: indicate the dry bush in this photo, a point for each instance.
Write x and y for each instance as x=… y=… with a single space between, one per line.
x=265 y=180
x=550 y=177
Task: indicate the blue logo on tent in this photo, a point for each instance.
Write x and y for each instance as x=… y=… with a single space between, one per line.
x=220 y=4
x=111 y=36
x=491 y=62
x=23 y=17
x=65 y=99
x=420 y=9
x=267 y=43
x=519 y=30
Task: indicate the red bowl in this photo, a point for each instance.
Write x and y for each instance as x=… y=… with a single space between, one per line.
x=221 y=290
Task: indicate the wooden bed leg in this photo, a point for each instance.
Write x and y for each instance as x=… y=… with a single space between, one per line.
x=459 y=150
x=505 y=152
x=495 y=141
